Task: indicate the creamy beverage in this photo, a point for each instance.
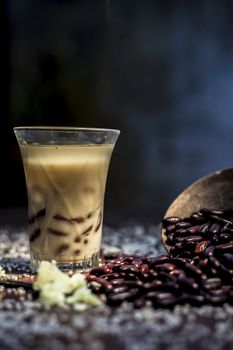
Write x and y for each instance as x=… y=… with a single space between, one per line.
x=65 y=185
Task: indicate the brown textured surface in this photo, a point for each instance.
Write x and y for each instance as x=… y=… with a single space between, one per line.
x=214 y=191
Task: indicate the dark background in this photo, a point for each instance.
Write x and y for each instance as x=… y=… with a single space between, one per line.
x=160 y=71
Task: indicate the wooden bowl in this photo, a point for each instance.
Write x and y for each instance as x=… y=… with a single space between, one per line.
x=214 y=191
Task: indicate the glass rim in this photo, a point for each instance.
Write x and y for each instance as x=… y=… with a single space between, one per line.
x=65 y=129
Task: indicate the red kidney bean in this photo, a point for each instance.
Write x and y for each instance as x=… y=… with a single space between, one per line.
x=117 y=266
x=214 y=262
x=100 y=271
x=226 y=274
x=117 y=282
x=146 y=260
x=187 y=283
x=128 y=259
x=138 y=284
x=176 y=273
x=193 y=239
x=165 y=267
x=107 y=286
x=179 y=246
x=144 y=268
x=207 y=212
x=196 y=218
x=120 y=260
x=151 y=295
x=165 y=276
x=227 y=230
x=200 y=247
x=192 y=299
x=215 y=228
x=112 y=276
x=217 y=212
x=216 y=299
x=132 y=276
x=179 y=239
x=137 y=263
x=194 y=271
x=179 y=262
x=203 y=263
x=90 y=277
x=109 y=265
x=168 y=287
x=211 y=283
x=220 y=220
x=220 y=291
x=129 y=295
x=144 y=277
x=129 y=269
x=195 y=260
x=153 y=274
x=224 y=247
x=204 y=228
x=182 y=224
x=193 y=230
x=224 y=237
x=118 y=298
x=171 y=220
x=120 y=289
x=152 y=286
x=165 y=299
x=181 y=233
x=215 y=239
x=162 y=259
x=209 y=251
x=228 y=258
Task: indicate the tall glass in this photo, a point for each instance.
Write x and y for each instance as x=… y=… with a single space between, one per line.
x=66 y=171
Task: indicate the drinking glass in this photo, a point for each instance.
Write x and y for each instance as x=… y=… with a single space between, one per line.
x=65 y=170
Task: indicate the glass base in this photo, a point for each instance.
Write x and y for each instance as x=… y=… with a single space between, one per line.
x=72 y=265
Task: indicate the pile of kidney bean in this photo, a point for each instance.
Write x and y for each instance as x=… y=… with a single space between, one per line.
x=199 y=269
x=202 y=232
